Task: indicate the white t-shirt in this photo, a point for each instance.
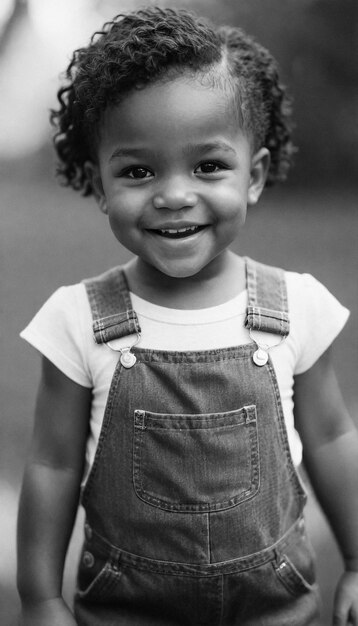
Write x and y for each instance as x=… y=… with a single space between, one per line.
x=62 y=331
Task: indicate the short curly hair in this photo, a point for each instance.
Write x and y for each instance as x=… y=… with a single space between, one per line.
x=145 y=46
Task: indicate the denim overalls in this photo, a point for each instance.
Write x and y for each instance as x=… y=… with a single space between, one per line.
x=193 y=506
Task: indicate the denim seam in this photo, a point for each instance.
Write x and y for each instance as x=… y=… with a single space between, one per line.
x=165 y=417
x=146 y=355
x=251 y=281
x=121 y=557
x=91 y=292
x=107 y=419
x=221 y=600
x=208 y=535
x=283 y=436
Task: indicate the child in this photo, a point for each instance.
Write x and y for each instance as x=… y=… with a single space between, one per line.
x=175 y=417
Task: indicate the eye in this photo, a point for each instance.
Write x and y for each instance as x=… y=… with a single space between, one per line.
x=137 y=173
x=209 y=167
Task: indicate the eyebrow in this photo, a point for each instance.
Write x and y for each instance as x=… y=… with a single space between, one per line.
x=210 y=146
x=191 y=148
x=123 y=152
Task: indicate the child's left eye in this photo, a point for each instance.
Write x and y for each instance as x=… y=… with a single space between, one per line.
x=209 y=167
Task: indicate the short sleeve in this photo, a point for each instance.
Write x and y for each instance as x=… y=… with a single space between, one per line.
x=317 y=318
x=57 y=332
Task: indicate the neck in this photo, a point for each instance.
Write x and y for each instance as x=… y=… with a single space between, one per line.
x=216 y=283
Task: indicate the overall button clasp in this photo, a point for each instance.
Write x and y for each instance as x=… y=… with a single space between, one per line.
x=260 y=357
x=264 y=342
x=127 y=358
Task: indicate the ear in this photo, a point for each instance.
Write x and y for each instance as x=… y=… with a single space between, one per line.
x=260 y=164
x=94 y=176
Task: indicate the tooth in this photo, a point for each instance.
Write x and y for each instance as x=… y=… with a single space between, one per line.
x=173 y=231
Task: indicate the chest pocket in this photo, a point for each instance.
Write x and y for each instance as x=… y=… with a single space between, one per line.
x=196 y=463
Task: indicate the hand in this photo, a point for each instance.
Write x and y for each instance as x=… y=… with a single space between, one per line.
x=345 y=611
x=52 y=612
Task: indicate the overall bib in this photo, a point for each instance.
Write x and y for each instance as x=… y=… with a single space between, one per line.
x=193 y=505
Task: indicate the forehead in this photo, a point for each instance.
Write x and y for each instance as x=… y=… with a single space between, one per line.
x=171 y=110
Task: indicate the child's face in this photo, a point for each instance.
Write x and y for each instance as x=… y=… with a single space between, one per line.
x=177 y=174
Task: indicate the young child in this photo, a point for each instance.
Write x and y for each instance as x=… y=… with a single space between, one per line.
x=167 y=385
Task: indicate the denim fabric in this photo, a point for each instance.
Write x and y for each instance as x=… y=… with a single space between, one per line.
x=193 y=505
x=267 y=310
x=111 y=306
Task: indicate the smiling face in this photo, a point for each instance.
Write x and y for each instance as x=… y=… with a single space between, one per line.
x=176 y=174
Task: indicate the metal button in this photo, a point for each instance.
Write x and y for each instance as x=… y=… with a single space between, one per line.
x=88 y=532
x=260 y=357
x=88 y=559
x=127 y=359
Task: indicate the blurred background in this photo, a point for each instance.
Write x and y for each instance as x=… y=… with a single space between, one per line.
x=50 y=236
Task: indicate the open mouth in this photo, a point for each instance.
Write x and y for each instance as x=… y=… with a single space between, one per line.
x=177 y=233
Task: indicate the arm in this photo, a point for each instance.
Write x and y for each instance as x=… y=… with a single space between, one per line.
x=330 y=444
x=49 y=497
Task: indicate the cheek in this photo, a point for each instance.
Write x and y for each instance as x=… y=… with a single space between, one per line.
x=122 y=225
x=231 y=205
x=123 y=208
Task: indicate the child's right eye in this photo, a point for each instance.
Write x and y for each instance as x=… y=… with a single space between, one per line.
x=137 y=173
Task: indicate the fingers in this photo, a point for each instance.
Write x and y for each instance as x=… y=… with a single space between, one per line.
x=345 y=615
x=346 y=600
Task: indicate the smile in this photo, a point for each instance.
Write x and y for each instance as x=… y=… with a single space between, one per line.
x=177 y=233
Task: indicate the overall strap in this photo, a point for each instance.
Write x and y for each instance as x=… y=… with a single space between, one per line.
x=267 y=309
x=112 y=313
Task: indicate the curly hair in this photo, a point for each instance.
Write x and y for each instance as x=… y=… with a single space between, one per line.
x=143 y=47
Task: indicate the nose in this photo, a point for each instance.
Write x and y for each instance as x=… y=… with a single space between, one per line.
x=174 y=194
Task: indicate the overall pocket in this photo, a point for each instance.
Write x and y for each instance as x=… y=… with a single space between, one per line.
x=196 y=463
x=295 y=566
x=98 y=578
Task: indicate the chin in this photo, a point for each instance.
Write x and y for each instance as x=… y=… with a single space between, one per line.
x=179 y=272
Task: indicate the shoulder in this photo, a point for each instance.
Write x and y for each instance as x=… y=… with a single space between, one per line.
x=305 y=292
x=68 y=295
x=74 y=299
x=66 y=304
x=66 y=311
x=316 y=318
x=61 y=331
x=299 y=285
